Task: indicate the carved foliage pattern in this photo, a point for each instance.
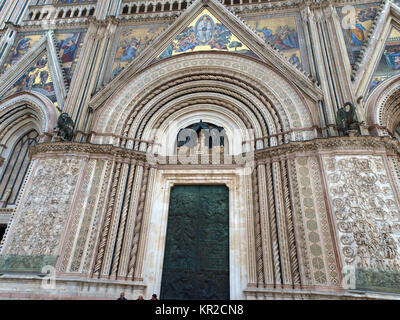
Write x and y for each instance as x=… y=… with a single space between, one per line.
x=322 y=216
x=311 y=223
x=304 y=261
x=42 y=215
x=365 y=211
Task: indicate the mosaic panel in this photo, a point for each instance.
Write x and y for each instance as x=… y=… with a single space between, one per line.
x=68 y=45
x=284 y=33
x=205 y=33
x=389 y=63
x=356 y=28
x=38 y=79
x=130 y=43
x=23 y=42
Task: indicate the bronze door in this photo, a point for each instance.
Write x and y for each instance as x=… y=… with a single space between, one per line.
x=196 y=258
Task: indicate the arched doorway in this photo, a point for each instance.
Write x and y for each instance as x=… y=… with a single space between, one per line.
x=256 y=107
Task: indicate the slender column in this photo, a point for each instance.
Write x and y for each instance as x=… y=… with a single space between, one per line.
x=145 y=227
x=257 y=229
x=138 y=225
x=103 y=74
x=13 y=11
x=342 y=62
x=290 y=229
x=91 y=65
x=107 y=221
x=116 y=215
x=121 y=228
x=314 y=19
x=128 y=237
x=107 y=8
x=274 y=226
x=6 y=42
x=265 y=227
x=282 y=228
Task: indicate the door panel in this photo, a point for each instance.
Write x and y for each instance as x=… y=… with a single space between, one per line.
x=196 y=259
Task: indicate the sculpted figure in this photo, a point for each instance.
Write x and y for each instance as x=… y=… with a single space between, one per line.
x=346 y=118
x=65 y=127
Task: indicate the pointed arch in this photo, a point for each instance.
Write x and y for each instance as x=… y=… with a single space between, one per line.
x=25 y=119
x=383 y=107
x=39 y=108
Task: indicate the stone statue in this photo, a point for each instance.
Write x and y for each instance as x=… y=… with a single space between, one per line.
x=6 y=196
x=65 y=127
x=346 y=118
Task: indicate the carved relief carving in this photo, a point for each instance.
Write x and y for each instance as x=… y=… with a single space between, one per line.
x=41 y=217
x=365 y=210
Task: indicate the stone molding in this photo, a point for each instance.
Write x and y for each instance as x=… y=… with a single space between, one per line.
x=62 y=148
x=303 y=294
x=333 y=144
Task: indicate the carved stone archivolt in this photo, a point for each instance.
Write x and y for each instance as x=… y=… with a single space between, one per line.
x=126 y=104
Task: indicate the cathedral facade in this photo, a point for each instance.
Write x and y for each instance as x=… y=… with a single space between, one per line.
x=206 y=149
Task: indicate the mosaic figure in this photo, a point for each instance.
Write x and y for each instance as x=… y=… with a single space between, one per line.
x=389 y=63
x=205 y=33
x=204 y=29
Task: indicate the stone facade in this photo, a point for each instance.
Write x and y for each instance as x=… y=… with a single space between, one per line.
x=313 y=209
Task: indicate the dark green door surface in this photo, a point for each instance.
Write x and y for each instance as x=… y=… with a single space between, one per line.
x=196 y=259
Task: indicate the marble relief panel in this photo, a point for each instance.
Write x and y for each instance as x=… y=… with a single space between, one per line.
x=41 y=216
x=365 y=211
